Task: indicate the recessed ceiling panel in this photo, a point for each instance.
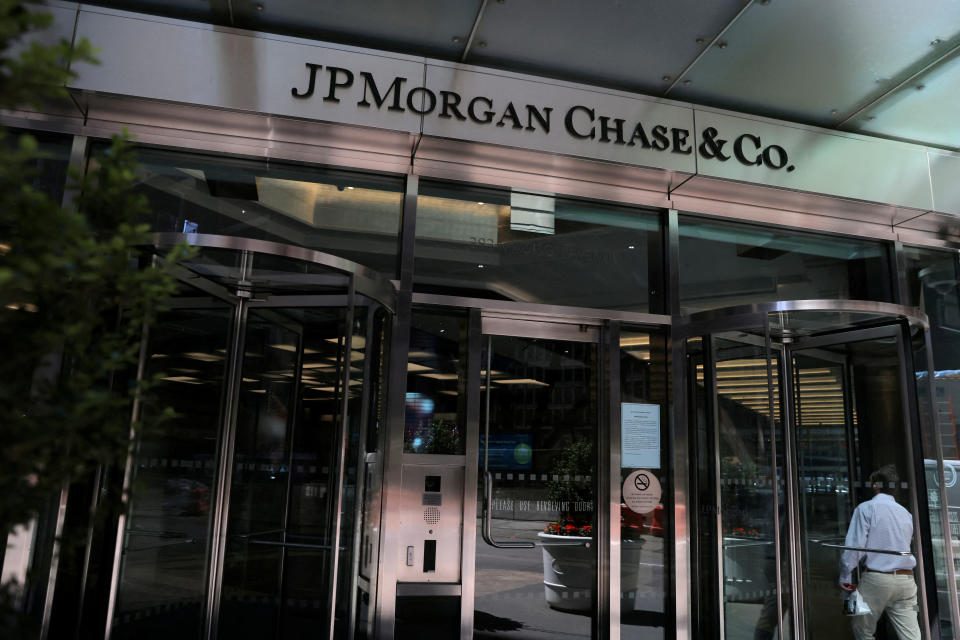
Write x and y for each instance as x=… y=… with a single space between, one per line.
x=924 y=110
x=422 y=27
x=628 y=45
x=818 y=60
x=213 y=11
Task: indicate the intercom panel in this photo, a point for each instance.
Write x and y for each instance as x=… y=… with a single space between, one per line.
x=431 y=522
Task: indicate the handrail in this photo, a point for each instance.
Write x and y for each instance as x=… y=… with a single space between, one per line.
x=888 y=552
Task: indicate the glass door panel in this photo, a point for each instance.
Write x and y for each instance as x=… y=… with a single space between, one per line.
x=162 y=581
x=748 y=500
x=282 y=503
x=849 y=422
x=536 y=553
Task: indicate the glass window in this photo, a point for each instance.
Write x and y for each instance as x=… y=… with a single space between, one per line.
x=436 y=378
x=536 y=248
x=351 y=215
x=724 y=264
x=50 y=167
x=933 y=281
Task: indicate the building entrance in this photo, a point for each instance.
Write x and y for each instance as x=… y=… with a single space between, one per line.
x=244 y=513
x=792 y=407
x=547 y=549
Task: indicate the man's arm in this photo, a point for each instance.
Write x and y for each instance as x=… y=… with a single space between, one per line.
x=856 y=537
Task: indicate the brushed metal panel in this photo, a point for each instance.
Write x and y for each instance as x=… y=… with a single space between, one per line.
x=64 y=18
x=934 y=225
x=945 y=179
x=787 y=200
x=435 y=516
x=200 y=64
x=520 y=91
x=829 y=163
x=215 y=130
x=766 y=216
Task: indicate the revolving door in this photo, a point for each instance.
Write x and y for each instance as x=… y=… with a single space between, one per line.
x=248 y=495
x=790 y=407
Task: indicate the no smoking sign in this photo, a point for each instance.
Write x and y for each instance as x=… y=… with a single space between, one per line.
x=641 y=491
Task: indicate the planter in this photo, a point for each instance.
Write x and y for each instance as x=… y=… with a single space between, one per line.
x=568 y=571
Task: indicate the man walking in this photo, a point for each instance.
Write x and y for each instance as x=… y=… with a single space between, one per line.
x=886 y=582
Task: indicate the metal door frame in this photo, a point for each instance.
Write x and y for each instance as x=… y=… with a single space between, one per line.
x=891 y=321
x=587 y=330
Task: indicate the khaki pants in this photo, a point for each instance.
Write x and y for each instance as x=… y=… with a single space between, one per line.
x=897 y=594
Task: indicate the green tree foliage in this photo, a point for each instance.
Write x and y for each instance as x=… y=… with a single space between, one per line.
x=73 y=302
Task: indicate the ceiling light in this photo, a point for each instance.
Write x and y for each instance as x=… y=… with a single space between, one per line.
x=440 y=376
x=203 y=357
x=413 y=366
x=184 y=379
x=526 y=381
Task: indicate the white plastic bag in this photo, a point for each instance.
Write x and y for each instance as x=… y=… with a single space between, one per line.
x=854 y=604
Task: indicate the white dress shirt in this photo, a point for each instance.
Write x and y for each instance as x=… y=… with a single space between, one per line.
x=879 y=523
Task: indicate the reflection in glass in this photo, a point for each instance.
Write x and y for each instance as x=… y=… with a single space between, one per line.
x=747 y=501
x=933 y=278
x=351 y=215
x=645 y=538
x=541 y=454
x=163 y=566
x=536 y=248
x=435 y=401
x=849 y=422
x=283 y=508
x=725 y=264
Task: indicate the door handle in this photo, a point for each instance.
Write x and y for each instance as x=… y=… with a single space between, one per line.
x=485 y=525
x=888 y=552
x=485 y=529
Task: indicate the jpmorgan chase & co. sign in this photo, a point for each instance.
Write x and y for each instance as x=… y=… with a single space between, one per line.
x=583 y=122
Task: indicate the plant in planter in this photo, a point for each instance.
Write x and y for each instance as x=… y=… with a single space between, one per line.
x=568 y=552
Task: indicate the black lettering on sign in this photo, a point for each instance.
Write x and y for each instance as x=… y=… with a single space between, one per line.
x=311 y=83
x=510 y=113
x=568 y=123
x=395 y=88
x=487 y=115
x=339 y=79
x=580 y=122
